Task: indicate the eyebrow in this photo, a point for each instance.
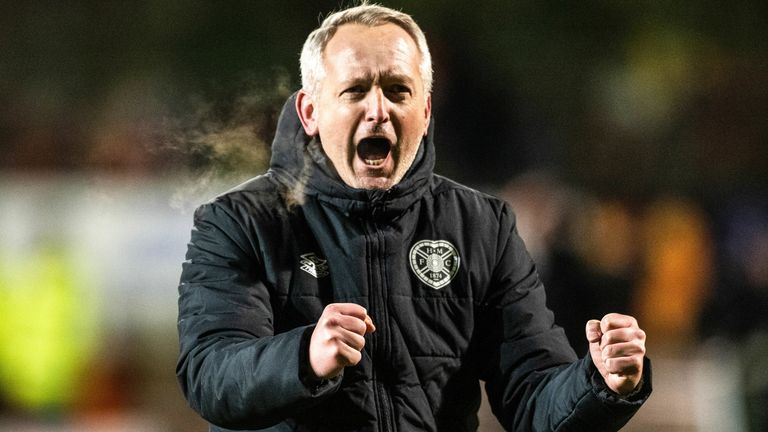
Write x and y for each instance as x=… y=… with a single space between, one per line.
x=368 y=77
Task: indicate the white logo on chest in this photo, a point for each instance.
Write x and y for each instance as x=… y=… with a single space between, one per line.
x=314 y=265
x=434 y=262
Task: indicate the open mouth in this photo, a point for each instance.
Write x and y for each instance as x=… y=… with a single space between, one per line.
x=374 y=150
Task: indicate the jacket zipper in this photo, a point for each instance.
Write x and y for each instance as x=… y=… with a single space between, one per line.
x=380 y=348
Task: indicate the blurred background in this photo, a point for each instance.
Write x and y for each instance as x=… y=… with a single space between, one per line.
x=630 y=137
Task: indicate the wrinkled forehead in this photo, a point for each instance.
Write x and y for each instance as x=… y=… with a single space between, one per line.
x=370 y=35
x=358 y=49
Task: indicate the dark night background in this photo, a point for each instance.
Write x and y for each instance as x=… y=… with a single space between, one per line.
x=630 y=137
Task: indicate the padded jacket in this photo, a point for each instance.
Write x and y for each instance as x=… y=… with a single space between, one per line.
x=441 y=270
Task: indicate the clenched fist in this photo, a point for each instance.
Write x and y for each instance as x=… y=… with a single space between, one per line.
x=617 y=347
x=338 y=339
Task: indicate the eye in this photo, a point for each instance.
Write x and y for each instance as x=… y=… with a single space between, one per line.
x=355 y=90
x=397 y=92
x=399 y=88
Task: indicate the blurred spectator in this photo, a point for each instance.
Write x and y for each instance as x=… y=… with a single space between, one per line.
x=584 y=249
x=742 y=273
x=737 y=312
x=48 y=331
x=678 y=271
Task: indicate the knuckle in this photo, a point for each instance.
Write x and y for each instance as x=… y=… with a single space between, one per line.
x=360 y=327
x=358 y=342
x=355 y=358
x=610 y=337
x=607 y=352
x=608 y=363
x=332 y=321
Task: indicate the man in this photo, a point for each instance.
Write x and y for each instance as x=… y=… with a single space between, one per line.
x=351 y=288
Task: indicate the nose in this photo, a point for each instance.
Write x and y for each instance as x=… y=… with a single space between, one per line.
x=377 y=109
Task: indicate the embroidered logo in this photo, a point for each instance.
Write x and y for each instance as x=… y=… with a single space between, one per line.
x=314 y=265
x=434 y=262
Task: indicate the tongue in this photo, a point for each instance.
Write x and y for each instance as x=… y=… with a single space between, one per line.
x=373 y=149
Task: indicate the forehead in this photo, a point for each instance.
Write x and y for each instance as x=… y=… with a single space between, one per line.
x=356 y=48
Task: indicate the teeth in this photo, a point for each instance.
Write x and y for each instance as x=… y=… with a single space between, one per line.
x=373 y=161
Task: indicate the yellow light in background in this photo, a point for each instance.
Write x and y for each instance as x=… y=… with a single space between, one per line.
x=679 y=270
x=48 y=329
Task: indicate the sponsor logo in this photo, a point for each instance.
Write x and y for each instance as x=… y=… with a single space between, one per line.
x=314 y=265
x=434 y=262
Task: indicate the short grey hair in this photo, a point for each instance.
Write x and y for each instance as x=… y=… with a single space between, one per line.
x=311 y=62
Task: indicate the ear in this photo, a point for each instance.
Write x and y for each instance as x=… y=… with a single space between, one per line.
x=305 y=107
x=427 y=114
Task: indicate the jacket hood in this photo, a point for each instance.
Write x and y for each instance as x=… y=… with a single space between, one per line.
x=299 y=164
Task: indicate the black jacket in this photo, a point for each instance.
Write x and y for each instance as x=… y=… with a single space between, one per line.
x=439 y=267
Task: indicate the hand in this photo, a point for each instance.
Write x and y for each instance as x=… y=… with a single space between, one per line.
x=617 y=347
x=338 y=339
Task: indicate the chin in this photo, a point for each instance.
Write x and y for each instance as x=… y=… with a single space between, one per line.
x=375 y=183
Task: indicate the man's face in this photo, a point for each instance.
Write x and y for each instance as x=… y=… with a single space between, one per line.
x=370 y=111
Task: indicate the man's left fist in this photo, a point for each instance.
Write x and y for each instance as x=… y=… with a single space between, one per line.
x=617 y=347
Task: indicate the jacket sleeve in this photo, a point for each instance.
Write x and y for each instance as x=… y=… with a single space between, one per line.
x=234 y=371
x=533 y=379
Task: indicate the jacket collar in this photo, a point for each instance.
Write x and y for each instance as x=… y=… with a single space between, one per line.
x=299 y=163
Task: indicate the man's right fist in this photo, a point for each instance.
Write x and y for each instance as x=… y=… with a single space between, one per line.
x=338 y=339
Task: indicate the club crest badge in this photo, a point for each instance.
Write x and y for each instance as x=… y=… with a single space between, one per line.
x=434 y=262
x=314 y=265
